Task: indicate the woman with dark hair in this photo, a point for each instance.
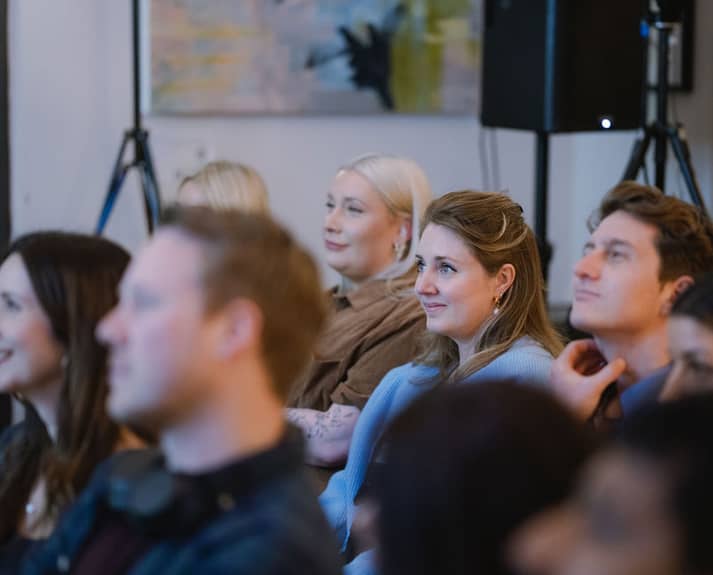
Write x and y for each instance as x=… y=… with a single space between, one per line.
x=465 y=466
x=690 y=341
x=54 y=289
x=480 y=283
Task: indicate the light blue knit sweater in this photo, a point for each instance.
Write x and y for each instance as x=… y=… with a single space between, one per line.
x=526 y=361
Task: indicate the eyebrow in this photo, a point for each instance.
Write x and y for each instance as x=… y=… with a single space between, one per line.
x=440 y=258
x=618 y=243
x=609 y=243
x=353 y=199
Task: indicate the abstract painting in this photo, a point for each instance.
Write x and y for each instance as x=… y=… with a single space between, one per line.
x=315 y=56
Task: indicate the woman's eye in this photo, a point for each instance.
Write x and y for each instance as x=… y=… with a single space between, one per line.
x=420 y=266
x=446 y=268
x=10 y=304
x=355 y=210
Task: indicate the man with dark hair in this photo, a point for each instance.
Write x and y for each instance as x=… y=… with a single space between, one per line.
x=645 y=248
x=216 y=316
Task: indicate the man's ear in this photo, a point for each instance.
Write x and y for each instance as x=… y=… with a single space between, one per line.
x=675 y=288
x=240 y=327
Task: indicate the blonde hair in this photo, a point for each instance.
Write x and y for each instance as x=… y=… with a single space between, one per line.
x=492 y=227
x=404 y=188
x=228 y=186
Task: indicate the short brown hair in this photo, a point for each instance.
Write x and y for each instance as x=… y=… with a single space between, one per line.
x=685 y=234
x=251 y=256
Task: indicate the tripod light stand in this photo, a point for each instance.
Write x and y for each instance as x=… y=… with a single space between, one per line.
x=660 y=130
x=142 y=153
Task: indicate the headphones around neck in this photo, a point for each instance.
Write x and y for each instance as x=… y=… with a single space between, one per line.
x=158 y=502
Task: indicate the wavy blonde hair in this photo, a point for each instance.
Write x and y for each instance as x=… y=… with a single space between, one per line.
x=226 y=186
x=493 y=228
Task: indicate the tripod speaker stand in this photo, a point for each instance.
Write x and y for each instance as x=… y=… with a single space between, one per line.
x=660 y=131
x=142 y=153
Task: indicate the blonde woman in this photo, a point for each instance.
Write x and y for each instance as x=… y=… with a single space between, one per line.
x=225 y=186
x=373 y=212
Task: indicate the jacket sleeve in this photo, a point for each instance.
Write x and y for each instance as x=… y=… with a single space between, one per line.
x=388 y=399
x=376 y=359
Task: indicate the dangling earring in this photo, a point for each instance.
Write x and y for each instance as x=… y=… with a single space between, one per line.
x=64 y=362
x=496 y=301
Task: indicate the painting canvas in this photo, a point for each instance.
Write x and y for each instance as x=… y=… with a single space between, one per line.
x=315 y=56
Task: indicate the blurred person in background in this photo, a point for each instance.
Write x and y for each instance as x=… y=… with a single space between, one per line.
x=644 y=505
x=54 y=289
x=225 y=186
x=464 y=466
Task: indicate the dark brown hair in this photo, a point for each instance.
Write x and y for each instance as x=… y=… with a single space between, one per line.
x=75 y=279
x=685 y=234
x=251 y=256
x=493 y=228
x=465 y=466
x=697 y=301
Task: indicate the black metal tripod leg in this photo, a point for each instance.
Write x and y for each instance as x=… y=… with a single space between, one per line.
x=683 y=155
x=155 y=195
x=112 y=194
x=638 y=156
x=151 y=207
x=117 y=178
x=152 y=197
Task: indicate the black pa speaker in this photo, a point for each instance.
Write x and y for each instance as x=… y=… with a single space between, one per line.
x=563 y=65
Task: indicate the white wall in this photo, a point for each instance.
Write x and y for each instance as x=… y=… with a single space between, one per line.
x=70 y=90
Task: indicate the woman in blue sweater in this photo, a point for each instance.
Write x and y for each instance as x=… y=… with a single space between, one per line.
x=480 y=285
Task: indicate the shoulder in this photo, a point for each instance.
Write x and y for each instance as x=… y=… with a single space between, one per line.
x=528 y=347
x=9 y=434
x=403 y=383
x=396 y=387
x=8 y=437
x=284 y=515
x=409 y=373
x=526 y=362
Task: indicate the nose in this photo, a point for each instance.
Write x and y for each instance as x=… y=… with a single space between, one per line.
x=333 y=220
x=425 y=284
x=589 y=265
x=110 y=329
